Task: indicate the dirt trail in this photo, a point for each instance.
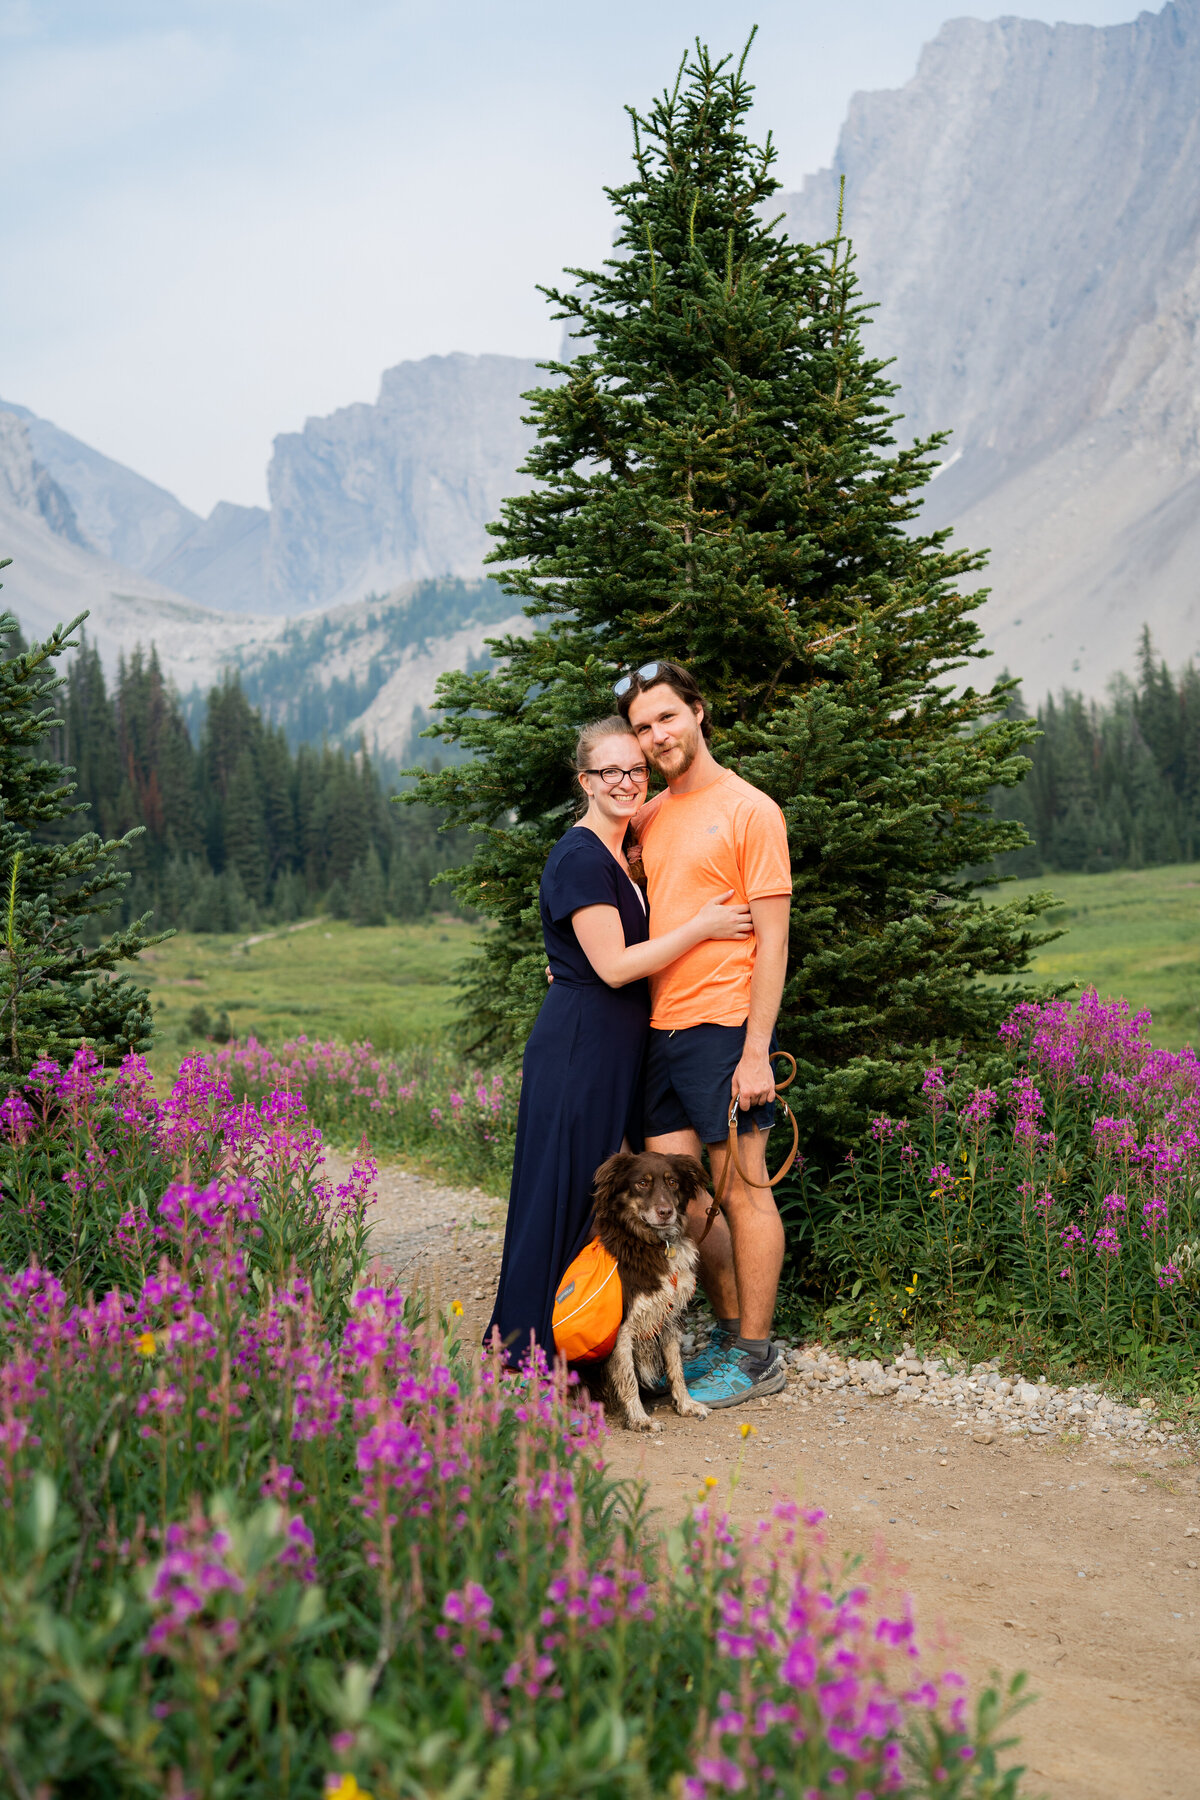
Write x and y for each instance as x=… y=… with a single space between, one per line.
x=1073 y=1561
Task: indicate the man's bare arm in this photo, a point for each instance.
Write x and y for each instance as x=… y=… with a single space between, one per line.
x=754 y=1078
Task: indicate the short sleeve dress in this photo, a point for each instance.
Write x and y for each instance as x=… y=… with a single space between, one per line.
x=580 y=1092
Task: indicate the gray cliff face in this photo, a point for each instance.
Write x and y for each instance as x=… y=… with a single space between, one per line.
x=376 y=495
x=119 y=513
x=222 y=561
x=30 y=488
x=1026 y=212
x=361 y=501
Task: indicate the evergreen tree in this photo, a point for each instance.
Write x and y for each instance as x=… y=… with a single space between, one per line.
x=244 y=829
x=366 y=892
x=1115 y=783
x=715 y=482
x=87 y=738
x=54 y=991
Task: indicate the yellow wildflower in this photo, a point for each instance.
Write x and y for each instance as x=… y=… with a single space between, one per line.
x=747 y=1428
x=145 y=1345
x=710 y=1481
x=345 y=1787
x=456 y=1309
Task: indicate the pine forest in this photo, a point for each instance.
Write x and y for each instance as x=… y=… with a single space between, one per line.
x=238 y=828
x=1115 y=784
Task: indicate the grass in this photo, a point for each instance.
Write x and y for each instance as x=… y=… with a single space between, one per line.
x=1134 y=935
x=391 y=983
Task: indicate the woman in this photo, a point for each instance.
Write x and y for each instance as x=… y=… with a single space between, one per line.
x=581 y=1087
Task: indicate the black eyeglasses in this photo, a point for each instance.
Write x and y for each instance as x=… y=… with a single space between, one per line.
x=613 y=777
x=647 y=672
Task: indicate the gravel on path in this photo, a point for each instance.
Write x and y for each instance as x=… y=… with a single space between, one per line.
x=444 y=1240
x=1037 y=1527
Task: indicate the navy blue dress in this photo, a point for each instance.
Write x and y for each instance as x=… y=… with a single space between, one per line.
x=580 y=1093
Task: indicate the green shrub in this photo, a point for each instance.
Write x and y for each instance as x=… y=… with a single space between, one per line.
x=1062 y=1205
x=265 y=1533
x=426 y=1104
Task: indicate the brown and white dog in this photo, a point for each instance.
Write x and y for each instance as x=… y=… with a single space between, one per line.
x=641 y=1201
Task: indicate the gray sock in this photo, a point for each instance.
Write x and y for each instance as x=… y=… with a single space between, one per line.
x=731 y=1327
x=758 y=1348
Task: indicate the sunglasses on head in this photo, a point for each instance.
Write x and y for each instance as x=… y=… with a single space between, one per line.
x=647 y=672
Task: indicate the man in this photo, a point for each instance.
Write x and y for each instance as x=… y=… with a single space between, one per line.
x=713 y=1014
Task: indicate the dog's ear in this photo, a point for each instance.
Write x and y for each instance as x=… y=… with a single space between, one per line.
x=611 y=1177
x=690 y=1176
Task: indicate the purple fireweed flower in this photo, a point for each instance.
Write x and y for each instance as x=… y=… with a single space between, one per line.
x=980 y=1107
x=933 y=1086
x=1105 y=1241
x=188 y=1580
x=17 y=1118
x=1169 y=1276
x=1028 y=1099
x=1114 y=1137
x=204 y=1215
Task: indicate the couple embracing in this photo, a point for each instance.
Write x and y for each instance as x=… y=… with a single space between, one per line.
x=666 y=984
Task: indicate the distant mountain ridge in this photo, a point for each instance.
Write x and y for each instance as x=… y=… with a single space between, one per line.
x=362 y=501
x=1026 y=216
x=1026 y=213
x=402 y=490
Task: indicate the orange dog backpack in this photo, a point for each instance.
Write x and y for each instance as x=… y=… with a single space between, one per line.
x=587 y=1306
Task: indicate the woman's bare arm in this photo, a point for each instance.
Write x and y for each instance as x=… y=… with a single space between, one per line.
x=602 y=938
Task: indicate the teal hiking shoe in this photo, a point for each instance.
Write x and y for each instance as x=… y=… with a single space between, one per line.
x=705 y=1361
x=737 y=1376
x=697 y=1366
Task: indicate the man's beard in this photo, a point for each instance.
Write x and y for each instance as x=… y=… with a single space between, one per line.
x=679 y=758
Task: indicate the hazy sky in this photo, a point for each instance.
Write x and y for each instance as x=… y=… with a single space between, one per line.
x=221 y=216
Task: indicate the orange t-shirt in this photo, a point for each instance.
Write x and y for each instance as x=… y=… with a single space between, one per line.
x=694 y=847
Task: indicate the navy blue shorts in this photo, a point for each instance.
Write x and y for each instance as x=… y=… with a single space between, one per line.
x=688 y=1079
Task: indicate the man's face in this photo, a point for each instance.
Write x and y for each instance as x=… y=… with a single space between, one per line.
x=667 y=728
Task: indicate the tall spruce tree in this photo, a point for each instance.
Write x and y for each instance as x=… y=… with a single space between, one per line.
x=54 y=991
x=715 y=481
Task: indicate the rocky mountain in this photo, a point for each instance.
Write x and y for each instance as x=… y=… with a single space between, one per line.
x=367 y=669
x=222 y=561
x=120 y=514
x=1026 y=213
x=369 y=498
x=401 y=490
x=28 y=487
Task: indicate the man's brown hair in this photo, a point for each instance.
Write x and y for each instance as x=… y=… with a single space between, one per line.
x=666 y=674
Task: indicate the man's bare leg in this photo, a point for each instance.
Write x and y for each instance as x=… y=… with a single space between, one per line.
x=718 y=1275
x=755 y=1232
x=742 y=1256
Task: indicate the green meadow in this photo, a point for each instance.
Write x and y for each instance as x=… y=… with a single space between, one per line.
x=1134 y=935
x=389 y=983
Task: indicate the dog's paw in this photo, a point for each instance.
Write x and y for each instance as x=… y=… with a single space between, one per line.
x=691 y=1409
x=640 y=1422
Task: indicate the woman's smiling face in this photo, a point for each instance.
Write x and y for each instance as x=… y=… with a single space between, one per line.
x=623 y=797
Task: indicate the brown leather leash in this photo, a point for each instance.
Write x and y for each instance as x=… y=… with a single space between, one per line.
x=731 y=1155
